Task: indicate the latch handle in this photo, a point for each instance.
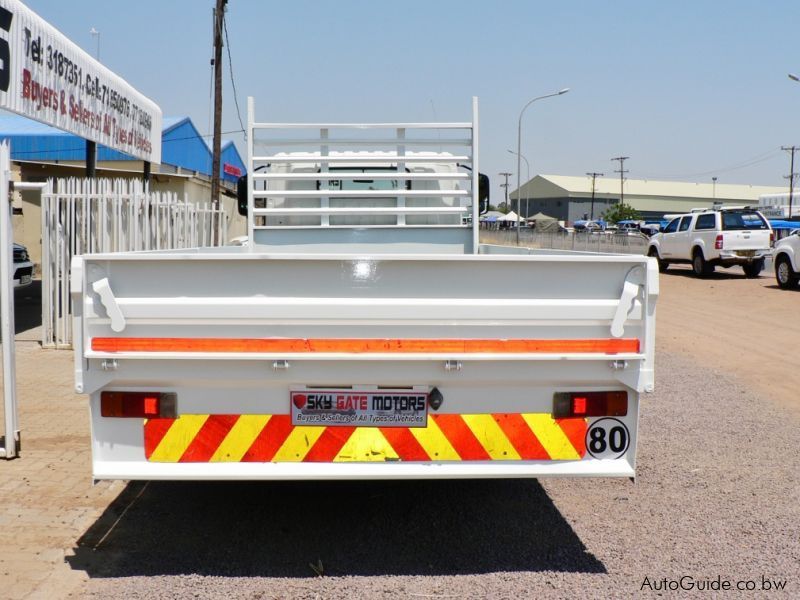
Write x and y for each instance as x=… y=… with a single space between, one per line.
x=630 y=290
x=103 y=289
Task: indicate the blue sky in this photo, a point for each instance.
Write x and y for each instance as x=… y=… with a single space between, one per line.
x=687 y=89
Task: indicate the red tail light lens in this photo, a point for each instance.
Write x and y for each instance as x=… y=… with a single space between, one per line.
x=718 y=242
x=590 y=404
x=771 y=238
x=144 y=405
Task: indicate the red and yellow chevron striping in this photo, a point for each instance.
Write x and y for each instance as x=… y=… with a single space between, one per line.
x=273 y=438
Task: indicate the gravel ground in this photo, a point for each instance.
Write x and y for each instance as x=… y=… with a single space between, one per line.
x=716 y=496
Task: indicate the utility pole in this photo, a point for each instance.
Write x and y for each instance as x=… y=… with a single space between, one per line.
x=621 y=172
x=219 y=17
x=505 y=185
x=593 y=176
x=714 y=187
x=791 y=175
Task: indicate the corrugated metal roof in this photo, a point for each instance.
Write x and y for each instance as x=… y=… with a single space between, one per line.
x=168 y=123
x=661 y=189
x=182 y=145
x=18 y=125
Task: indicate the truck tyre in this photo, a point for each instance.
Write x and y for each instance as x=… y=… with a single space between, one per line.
x=662 y=264
x=753 y=269
x=784 y=273
x=700 y=267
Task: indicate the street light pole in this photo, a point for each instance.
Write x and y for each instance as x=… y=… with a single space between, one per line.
x=528 y=171
x=519 y=143
x=795 y=78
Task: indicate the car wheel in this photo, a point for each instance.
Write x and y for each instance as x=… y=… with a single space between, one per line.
x=662 y=264
x=753 y=269
x=699 y=265
x=784 y=273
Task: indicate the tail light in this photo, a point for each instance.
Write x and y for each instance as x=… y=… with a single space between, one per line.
x=718 y=242
x=144 y=405
x=590 y=404
x=771 y=237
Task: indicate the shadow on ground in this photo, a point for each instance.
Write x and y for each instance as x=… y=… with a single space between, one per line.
x=354 y=528
x=718 y=274
x=28 y=307
x=775 y=286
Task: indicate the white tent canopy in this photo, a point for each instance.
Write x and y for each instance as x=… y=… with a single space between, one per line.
x=511 y=216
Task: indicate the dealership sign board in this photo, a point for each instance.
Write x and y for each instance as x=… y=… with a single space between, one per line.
x=46 y=77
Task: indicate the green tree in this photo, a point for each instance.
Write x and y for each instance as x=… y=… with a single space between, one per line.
x=621 y=212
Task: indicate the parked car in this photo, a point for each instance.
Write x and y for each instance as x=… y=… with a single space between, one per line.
x=629 y=225
x=724 y=237
x=650 y=229
x=585 y=225
x=23 y=267
x=787 y=260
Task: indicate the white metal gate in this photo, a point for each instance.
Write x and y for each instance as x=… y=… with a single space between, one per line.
x=9 y=448
x=85 y=216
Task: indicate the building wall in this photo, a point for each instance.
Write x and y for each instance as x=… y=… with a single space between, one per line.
x=565 y=208
x=557 y=207
x=581 y=208
x=669 y=205
x=569 y=198
x=572 y=209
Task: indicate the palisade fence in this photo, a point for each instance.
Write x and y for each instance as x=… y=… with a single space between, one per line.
x=579 y=241
x=87 y=216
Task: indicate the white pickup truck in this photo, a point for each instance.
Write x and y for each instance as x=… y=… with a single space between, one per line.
x=707 y=239
x=787 y=260
x=362 y=332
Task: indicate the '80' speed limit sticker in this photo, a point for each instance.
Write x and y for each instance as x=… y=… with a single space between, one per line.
x=607 y=439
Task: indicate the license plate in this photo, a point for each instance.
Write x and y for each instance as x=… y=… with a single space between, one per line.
x=359 y=408
x=746 y=253
x=25 y=279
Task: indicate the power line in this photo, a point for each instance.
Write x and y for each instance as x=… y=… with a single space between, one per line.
x=759 y=158
x=233 y=82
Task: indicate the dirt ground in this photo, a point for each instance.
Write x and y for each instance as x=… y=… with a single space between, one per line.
x=731 y=326
x=746 y=328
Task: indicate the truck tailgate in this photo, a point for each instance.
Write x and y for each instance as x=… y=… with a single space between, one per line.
x=234 y=334
x=746 y=239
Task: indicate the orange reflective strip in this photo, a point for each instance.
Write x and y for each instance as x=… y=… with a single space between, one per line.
x=365 y=346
